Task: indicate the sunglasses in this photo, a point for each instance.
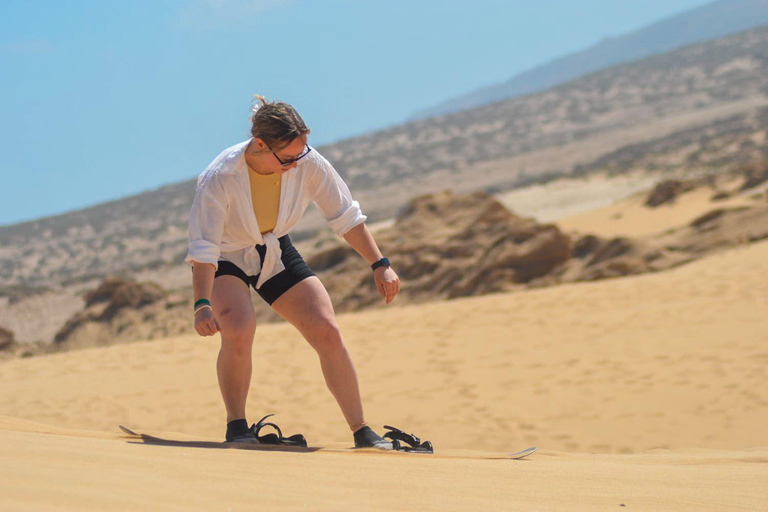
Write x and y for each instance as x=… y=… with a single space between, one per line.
x=290 y=161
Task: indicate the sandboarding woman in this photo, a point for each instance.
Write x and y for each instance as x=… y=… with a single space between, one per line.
x=246 y=202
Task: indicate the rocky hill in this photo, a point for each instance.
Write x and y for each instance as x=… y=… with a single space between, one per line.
x=449 y=246
x=446 y=246
x=594 y=115
x=659 y=112
x=121 y=310
x=725 y=144
x=711 y=21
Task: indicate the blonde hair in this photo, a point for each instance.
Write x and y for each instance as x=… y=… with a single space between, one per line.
x=276 y=123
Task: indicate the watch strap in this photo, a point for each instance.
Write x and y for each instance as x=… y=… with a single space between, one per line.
x=383 y=262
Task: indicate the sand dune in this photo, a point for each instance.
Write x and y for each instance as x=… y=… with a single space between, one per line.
x=675 y=359
x=649 y=391
x=45 y=468
x=629 y=217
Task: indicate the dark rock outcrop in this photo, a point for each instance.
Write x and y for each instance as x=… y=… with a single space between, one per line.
x=119 y=293
x=667 y=191
x=7 y=340
x=719 y=229
x=596 y=258
x=754 y=175
x=106 y=310
x=445 y=246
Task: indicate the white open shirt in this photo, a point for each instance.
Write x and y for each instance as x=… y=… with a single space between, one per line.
x=222 y=223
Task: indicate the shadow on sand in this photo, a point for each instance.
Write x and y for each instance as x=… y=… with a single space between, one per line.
x=159 y=441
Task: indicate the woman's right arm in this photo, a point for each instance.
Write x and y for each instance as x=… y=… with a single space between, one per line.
x=206 y=225
x=202 y=283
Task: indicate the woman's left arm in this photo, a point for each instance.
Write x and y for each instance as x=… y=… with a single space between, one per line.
x=361 y=240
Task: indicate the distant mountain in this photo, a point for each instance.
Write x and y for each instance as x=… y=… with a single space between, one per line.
x=711 y=21
x=701 y=107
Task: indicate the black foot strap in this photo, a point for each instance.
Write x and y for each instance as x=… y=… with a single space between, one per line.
x=396 y=436
x=294 y=440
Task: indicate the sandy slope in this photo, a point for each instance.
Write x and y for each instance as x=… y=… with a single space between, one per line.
x=675 y=360
x=568 y=197
x=651 y=391
x=628 y=217
x=91 y=471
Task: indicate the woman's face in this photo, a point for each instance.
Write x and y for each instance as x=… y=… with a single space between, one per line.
x=274 y=159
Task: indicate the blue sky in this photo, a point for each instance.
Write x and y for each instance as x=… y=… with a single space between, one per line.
x=104 y=99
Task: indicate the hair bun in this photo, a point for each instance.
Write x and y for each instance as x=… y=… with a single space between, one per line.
x=278 y=124
x=258 y=102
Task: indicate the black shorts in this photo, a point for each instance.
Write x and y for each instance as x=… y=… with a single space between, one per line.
x=295 y=270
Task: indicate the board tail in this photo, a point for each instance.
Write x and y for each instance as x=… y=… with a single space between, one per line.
x=129 y=431
x=522 y=454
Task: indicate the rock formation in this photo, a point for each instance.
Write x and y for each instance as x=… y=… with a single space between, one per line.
x=115 y=306
x=445 y=246
x=754 y=175
x=667 y=191
x=7 y=340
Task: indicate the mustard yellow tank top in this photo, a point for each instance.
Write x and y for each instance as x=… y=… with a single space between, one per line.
x=265 y=192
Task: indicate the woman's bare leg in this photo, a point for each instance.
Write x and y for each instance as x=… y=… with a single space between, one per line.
x=308 y=308
x=232 y=308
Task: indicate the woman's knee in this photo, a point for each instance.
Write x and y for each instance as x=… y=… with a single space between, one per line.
x=325 y=335
x=239 y=326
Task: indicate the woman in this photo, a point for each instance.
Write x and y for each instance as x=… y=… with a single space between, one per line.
x=246 y=202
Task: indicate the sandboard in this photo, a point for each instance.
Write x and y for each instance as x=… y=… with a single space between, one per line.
x=150 y=439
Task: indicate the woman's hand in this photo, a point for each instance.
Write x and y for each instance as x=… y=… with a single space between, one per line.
x=387 y=283
x=205 y=323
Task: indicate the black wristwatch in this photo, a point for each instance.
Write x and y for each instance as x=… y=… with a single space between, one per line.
x=383 y=262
